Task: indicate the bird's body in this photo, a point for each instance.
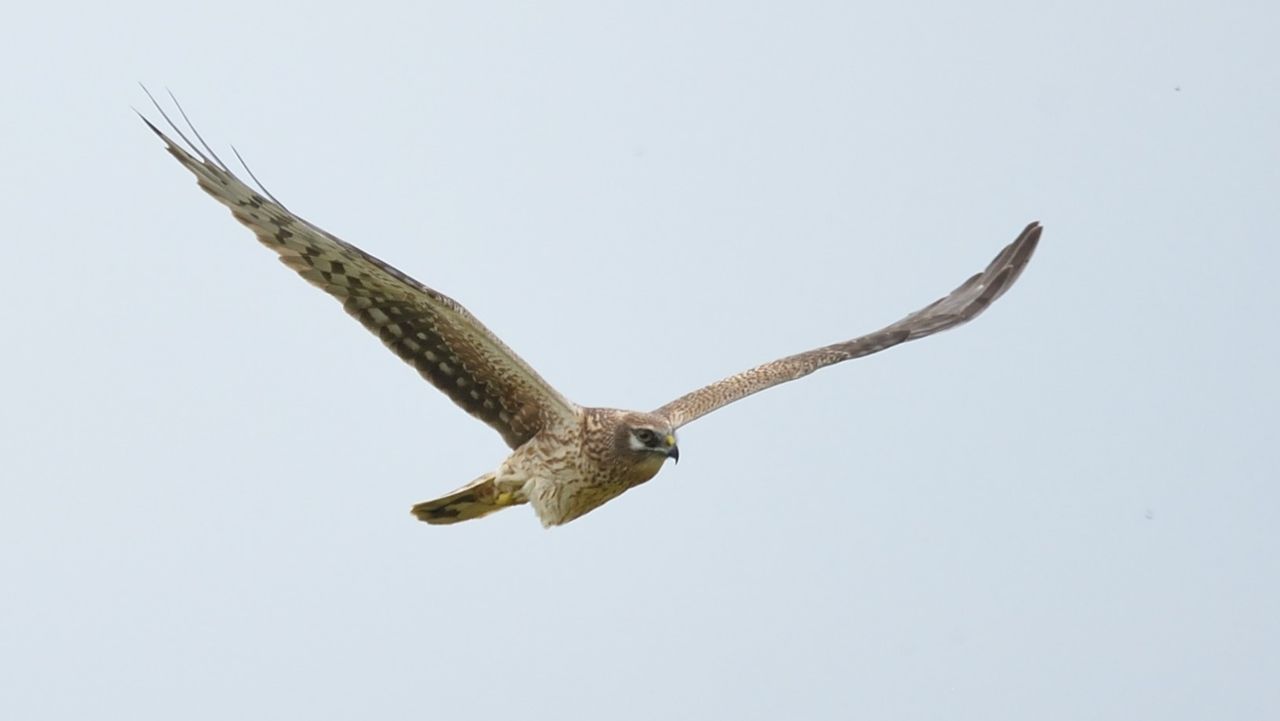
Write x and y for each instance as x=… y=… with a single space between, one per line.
x=566 y=459
x=561 y=474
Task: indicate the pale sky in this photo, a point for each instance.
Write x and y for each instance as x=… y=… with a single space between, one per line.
x=1065 y=510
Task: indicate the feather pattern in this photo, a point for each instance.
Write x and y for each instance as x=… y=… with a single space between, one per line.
x=956 y=308
x=567 y=460
x=429 y=330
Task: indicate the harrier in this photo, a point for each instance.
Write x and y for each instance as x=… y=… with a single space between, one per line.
x=566 y=459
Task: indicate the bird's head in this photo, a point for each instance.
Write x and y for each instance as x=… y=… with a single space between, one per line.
x=647 y=439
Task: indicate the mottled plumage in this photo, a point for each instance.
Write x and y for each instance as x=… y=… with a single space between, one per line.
x=567 y=459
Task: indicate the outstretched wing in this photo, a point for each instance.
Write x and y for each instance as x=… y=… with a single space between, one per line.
x=960 y=306
x=429 y=330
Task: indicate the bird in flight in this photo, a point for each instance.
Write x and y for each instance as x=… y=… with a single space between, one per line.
x=566 y=459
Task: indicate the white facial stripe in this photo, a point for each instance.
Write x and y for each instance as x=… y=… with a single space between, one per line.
x=639 y=445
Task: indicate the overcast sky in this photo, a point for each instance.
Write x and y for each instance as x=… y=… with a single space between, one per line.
x=1065 y=510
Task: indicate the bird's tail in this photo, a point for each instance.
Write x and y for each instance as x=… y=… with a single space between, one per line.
x=477 y=499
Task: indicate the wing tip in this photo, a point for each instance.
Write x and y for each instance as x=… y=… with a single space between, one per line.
x=1030 y=235
x=1026 y=243
x=150 y=124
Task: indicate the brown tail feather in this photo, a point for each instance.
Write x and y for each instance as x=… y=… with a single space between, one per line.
x=477 y=499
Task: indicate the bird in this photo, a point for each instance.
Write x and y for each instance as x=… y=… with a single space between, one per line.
x=566 y=460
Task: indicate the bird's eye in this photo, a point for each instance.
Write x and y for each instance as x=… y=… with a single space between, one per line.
x=646 y=436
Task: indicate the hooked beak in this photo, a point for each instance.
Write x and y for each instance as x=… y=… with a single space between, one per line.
x=673 y=451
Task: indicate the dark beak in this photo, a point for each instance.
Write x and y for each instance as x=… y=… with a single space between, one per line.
x=674 y=453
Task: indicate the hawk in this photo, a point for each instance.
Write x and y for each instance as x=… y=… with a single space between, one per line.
x=566 y=459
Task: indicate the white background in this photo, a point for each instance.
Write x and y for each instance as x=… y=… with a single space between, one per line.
x=1065 y=510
